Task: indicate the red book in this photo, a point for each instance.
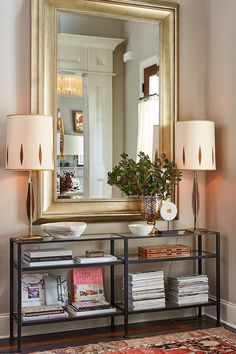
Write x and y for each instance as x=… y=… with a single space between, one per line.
x=88 y=284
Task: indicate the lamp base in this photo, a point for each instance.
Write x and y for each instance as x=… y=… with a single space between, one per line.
x=31 y=238
x=154 y=231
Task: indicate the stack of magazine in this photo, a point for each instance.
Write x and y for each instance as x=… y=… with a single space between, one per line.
x=188 y=289
x=47 y=257
x=43 y=312
x=146 y=290
x=88 y=296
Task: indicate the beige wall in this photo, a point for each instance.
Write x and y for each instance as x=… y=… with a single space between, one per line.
x=191 y=93
x=221 y=107
x=15 y=98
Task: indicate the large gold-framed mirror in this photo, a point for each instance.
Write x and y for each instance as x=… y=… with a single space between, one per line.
x=44 y=99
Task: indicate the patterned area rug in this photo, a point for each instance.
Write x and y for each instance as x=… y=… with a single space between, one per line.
x=208 y=341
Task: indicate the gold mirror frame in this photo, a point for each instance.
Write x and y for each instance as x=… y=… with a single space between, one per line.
x=43 y=88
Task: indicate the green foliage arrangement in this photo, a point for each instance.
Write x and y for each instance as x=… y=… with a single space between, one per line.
x=145 y=177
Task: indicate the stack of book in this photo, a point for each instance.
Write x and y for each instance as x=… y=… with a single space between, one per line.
x=44 y=312
x=188 y=289
x=89 y=308
x=47 y=257
x=146 y=290
x=88 y=293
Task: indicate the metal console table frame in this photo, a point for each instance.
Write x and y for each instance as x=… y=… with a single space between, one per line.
x=199 y=255
x=16 y=252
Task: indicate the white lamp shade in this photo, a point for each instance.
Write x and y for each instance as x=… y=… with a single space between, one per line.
x=29 y=142
x=195 y=145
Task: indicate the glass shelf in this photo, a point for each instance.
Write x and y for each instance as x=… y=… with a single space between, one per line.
x=119 y=312
x=133 y=258
x=82 y=238
x=169 y=306
x=171 y=233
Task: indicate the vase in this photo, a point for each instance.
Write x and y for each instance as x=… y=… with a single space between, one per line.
x=150 y=210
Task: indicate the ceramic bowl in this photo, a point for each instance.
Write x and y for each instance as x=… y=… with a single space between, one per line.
x=65 y=230
x=140 y=229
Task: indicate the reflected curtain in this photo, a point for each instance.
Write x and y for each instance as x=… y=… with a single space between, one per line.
x=148 y=117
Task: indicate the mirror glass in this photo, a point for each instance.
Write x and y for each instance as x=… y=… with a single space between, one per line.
x=107 y=100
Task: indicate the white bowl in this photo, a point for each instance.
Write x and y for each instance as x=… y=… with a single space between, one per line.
x=140 y=229
x=65 y=230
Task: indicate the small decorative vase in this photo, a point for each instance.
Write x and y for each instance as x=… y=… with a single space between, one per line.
x=150 y=210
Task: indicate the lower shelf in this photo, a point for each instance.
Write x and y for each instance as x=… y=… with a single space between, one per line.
x=120 y=312
x=66 y=319
x=169 y=306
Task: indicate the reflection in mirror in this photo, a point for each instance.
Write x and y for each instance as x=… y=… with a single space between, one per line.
x=107 y=99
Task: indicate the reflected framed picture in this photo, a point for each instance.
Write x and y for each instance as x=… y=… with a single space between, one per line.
x=78 y=118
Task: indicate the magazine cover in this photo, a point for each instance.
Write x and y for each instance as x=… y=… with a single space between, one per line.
x=88 y=284
x=33 y=289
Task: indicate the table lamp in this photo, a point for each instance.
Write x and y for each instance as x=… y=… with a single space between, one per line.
x=74 y=146
x=195 y=150
x=29 y=147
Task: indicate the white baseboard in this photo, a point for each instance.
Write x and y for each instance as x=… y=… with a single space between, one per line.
x=49 y=328
x=227 y=313
x=4 y=325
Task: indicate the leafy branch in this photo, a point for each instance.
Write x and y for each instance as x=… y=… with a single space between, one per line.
x=145 y=177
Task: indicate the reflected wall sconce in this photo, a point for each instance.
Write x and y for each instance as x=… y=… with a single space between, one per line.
x=195 y=150
x=69 y=85
x=29 y=147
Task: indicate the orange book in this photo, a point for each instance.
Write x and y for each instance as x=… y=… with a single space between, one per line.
x=87 y=284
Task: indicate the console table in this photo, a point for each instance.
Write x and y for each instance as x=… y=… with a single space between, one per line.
x=126 y=259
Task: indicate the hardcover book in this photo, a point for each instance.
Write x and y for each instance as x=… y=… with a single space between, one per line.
x=33 y=289
x=88 y=284
x=41 y=310
x=50 y=252
x=86 y=305
x=45 y=317
x=90 y=259
x=47 y=263
x=89 y=312
x=46 y=259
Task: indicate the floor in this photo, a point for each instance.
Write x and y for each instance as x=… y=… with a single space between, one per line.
x=73 y=338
